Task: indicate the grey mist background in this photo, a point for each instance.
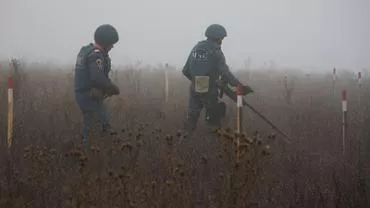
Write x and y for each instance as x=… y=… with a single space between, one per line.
x=314 y=34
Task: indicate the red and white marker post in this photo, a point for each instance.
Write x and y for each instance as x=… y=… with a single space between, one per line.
x=344 y=119
x=10 y=111
x=239 y=120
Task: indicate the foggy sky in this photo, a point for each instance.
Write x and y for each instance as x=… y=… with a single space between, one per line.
x=296 y=33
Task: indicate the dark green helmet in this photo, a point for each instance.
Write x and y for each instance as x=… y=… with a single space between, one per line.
x=106 y=34
x=216 y=31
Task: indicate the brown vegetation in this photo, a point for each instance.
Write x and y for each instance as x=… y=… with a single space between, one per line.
x=151 y=163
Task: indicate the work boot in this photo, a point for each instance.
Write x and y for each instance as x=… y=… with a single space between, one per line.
x=189 y=129
x=84 y=143
x=107 y=129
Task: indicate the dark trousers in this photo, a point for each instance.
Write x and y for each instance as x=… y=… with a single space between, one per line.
x=95 y=116
x=196 y=105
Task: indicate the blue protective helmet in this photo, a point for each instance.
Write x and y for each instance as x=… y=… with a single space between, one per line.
x=106 y=34
x=216 y=31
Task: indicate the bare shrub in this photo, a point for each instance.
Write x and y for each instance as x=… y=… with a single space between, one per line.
x=152 y=163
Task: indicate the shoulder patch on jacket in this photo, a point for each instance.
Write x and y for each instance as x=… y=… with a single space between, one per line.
x=99 y=63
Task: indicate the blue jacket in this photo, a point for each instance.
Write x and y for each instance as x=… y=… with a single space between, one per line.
x=207 y=59
x=91 y=71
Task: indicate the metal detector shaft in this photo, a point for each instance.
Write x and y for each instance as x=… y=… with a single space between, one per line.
x=268 y=121
x=231 y=94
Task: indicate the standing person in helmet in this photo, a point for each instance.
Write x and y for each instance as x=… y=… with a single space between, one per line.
x=204 y=66
x=92 y=83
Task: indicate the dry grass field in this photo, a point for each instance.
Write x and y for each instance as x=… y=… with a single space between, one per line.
x=152 y=163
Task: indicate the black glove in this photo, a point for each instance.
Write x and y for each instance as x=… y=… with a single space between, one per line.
x=113 y=90
x=96 y=94
x=247 y=89
x=244 y=89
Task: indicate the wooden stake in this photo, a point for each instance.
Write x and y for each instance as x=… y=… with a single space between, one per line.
x=359 y=80
x=10 y=112
x=333 y=81
x=344 y=120
x=166 y=83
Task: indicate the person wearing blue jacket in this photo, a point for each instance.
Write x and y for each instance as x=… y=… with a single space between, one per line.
x=92 y=83
x=204 y=67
